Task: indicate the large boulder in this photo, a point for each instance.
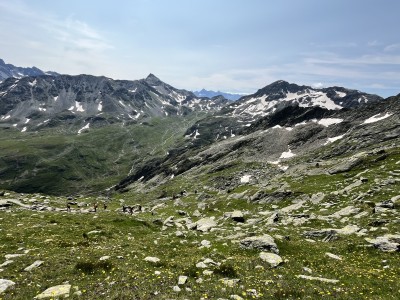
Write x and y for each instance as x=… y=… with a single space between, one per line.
x=205 y=224
x=264 y=242
x=273 y=259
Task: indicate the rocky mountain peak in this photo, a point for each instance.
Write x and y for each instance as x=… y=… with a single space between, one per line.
x=152 y=79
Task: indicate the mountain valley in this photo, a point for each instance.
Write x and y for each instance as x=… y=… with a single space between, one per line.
x=117 y=189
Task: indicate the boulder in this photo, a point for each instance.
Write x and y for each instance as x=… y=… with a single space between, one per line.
x=346 y=165
x=387 y=243
x=237 y=216
x=205 y=224
x=273 y=259
x=264 y=242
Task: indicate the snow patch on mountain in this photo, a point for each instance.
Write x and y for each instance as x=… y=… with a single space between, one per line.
x=377 y=118
x=341 y=94
x=79 y=106
x=287 y=154
x=245 y=179
x=333 y=139
x=329 y=121
x=83 y=128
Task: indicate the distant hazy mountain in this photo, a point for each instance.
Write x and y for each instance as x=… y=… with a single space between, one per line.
x=9 y=70
x=210 y=94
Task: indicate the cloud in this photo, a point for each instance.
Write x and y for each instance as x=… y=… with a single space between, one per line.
x=66 y=45
x=317 y=85
x=392 y=48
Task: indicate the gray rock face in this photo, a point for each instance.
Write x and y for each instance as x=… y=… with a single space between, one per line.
x=264 y=242
x=346 y=166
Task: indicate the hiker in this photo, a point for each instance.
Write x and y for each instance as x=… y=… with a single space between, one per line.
x=105 y=205
x=68 y=207
x=95 y=206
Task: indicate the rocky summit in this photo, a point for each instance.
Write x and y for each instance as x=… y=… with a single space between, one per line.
x=115 y=189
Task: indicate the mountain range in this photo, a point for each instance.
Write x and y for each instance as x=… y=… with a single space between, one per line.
x=9 y=70
x=140 y=190
x=158 y=131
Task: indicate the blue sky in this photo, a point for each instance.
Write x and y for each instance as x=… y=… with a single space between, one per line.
x=228 y=45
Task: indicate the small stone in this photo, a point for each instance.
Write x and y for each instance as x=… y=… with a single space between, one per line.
x=55 y=291
x=152 y=259
x=318 y=278
x=201 y=265
x=205 y=244
x=9 y=256
x=5 y=284
x=235 y=297
x=34 y=265
x=308 y=270
x=334 y=256
x=105 y=257
x=230 y=282
x=208 y=272
x=6 y=263
x=176 y=289
x=182 y=280
x=179 y=234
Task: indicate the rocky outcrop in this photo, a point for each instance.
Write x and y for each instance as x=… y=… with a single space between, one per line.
x=264 y=242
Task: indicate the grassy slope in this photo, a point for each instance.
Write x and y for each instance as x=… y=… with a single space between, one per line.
x=53 y=162
x=61 y=240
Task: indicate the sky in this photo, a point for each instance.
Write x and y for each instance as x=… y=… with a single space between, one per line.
x=228 y=45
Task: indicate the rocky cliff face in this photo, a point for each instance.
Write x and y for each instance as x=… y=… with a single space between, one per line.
x=293 y=132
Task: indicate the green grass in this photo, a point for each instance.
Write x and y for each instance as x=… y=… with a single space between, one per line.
x=60 y=163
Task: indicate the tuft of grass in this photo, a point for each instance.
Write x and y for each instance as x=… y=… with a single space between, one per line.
x=226 y=270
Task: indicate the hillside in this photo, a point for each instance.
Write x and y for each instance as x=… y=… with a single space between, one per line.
x=242 y=218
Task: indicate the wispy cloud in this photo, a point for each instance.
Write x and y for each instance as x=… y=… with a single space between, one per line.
x=392 y=48
x=51 y=42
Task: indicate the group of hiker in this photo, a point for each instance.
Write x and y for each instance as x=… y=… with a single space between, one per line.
x=95 y=206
